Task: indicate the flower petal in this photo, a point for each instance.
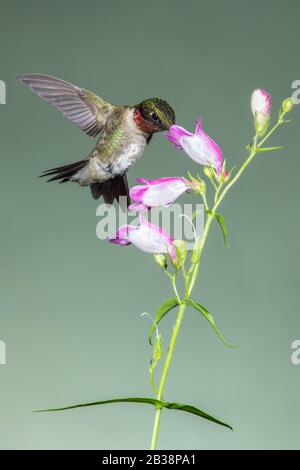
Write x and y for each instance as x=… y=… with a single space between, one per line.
x=175 y=133
x=163 y=179
x=138 y=207
x=142 y=180
x=137 y=192
x=199 y=126
x=122 y=235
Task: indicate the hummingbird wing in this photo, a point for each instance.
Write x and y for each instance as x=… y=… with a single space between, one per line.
x=85 y=109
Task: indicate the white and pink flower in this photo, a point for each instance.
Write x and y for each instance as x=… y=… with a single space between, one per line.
x=159 y=192
x=145 y=236
x=199 y=146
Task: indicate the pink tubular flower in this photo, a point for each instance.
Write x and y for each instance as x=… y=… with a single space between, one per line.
x=198 y=146
x=159 y=192
x=260 y=102
x=145 y=236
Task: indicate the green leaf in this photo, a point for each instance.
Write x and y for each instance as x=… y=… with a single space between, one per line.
x=267 y=149
x=222 y=224
x=149 y=401
x=209 y=318
x=195 y=411
x=165 y=307
x=181 y=252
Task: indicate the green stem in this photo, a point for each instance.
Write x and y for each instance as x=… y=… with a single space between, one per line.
x=205 y=201
x=233 y=181
x=175 y=288
x=202 y=243
x=165 y=371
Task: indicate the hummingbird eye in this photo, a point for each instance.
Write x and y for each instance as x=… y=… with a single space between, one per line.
x=155 y=117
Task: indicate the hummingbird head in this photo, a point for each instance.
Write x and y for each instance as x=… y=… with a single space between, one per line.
x=154 y=115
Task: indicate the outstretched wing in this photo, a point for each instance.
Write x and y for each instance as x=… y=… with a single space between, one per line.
x=83 y=108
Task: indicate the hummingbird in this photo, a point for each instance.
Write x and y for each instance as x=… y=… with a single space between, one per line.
x=124 y=132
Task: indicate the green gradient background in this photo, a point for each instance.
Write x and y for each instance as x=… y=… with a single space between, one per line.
x=70 y=304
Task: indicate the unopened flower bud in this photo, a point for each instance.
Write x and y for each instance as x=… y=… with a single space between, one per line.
x=161 y=260
x=202 y=187
x=180 y=248
x=208 y=171
x=261 y=123
x=196 y=253
x=261 y=107
x=287 y=105
x=198 y=186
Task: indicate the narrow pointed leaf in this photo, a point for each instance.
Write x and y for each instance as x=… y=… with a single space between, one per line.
x=267 y=149
x=221 y=222
x=195 y=411
x=223 y=227
x=210 y=319
x=149 y=401
x=165 y=307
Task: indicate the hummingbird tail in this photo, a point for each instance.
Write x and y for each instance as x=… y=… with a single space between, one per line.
x=111 y=190
x=64 y=173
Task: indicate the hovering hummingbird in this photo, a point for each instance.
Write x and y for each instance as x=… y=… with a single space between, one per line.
x=124 y=132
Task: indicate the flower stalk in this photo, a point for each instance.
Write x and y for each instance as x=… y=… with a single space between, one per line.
x=191 y=277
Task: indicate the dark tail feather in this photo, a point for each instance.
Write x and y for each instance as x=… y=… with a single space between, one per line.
x=64 y=173
x=111 y=190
